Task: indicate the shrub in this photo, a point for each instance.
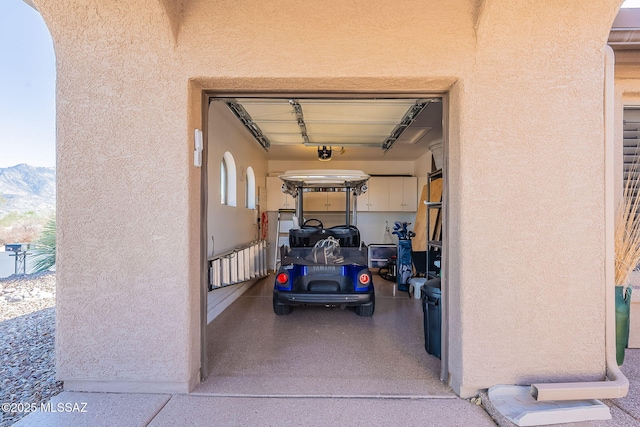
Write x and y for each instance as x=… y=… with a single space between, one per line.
x=45 y=248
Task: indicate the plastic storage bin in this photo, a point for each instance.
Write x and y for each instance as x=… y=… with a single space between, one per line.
x=379 y=254
x=431 y=294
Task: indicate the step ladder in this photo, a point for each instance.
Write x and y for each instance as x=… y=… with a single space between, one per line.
x=284 y=224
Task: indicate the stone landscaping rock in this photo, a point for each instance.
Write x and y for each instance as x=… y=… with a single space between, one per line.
x=27 y=328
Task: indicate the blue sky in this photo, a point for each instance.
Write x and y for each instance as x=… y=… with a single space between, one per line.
x=27 y=86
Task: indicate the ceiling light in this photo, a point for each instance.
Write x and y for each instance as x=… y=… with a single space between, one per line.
x=324 y=154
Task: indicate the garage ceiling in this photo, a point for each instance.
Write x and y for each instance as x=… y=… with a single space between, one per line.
x=353 y=129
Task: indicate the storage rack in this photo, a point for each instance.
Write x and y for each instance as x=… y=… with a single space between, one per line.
x=434 y=237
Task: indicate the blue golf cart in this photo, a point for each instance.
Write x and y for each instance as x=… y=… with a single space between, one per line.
x=324 y=266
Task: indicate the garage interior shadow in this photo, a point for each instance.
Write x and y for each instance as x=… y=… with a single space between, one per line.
x=320 y=351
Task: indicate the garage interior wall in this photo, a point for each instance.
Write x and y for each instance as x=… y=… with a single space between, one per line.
x=525 y=81
x=230 y=227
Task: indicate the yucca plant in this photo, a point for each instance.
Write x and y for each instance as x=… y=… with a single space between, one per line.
x=627 y=229
x=627 y=254
x=45 y=248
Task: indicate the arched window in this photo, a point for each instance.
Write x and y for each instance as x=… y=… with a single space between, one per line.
x=251 y=189
x=223 y=182
x=228 y=180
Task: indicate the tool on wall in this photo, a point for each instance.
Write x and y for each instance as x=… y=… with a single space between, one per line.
x=264 y=225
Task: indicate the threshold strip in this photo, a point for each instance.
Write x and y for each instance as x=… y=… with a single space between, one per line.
x=329 y=396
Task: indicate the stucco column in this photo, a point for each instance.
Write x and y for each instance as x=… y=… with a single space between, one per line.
x=527 y=209
x=127 y=300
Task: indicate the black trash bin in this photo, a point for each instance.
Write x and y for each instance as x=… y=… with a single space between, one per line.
x=430 y=293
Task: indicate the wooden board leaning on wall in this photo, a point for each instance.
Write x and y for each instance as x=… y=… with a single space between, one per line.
x=419 y=242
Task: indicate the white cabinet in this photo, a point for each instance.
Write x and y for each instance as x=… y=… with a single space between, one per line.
x=390 y=194
x=377 y=196
x=384 y=194
x=337 y=201
x=314 y=201
x=403 y=193
x=319 y=201
x=276 y=199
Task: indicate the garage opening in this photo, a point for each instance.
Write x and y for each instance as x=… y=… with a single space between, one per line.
x=320 y=350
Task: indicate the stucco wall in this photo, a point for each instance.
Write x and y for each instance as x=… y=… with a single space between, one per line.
x=530 y=254
x=125 y=307
x=526 y=197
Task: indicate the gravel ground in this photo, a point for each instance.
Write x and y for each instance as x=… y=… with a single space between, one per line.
x=27 y=328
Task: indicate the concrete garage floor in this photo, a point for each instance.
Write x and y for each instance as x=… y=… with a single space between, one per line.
x=319 y=351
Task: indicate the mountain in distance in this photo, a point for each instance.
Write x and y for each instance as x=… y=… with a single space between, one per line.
x=25 y=188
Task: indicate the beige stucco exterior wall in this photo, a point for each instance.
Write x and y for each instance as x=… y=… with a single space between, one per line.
x=128 y=307
x=526 y=270
x=531 y=217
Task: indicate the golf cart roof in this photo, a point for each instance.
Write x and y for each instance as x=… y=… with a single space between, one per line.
x=324 y=178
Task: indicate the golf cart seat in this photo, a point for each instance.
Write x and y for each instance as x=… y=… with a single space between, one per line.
x=348 y=236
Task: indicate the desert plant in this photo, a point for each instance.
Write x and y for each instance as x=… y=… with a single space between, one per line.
x=627 y=228
x=627 y=254
x=22 y=227
x=45 y=248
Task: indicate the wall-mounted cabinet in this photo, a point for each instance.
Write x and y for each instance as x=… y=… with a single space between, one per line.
x=313 y=201
x=376 y=199
x=276 y=199
x=390 y=194
x=384 y=194
x=403 y=193
x=324 y=201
